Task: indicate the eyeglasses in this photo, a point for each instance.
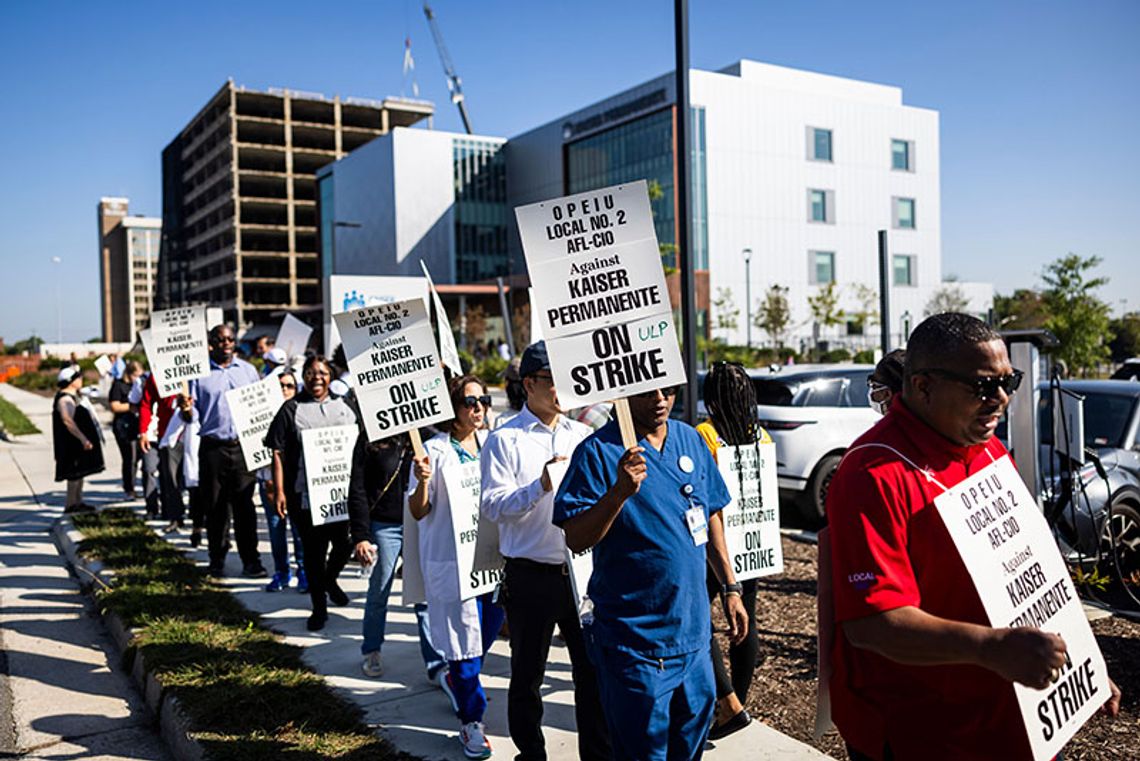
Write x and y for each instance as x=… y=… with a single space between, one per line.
x=984 y=388
x=472 y=401
x=668 y=393
x=288 y=385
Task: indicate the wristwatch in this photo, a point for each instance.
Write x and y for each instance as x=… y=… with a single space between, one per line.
x=735 y=588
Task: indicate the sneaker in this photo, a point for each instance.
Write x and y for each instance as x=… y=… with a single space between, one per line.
x=316 y=622
x=254 y=571
x=474 y=742
x=302 y=581
x=195 y=538
x=444 y=680
x=371 y=666
x=277 y=583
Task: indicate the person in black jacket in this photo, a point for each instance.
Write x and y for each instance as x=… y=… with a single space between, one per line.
x=125 y=424
x=375 y=509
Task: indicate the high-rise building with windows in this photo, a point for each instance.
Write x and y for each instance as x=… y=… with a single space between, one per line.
x=128 y=268
x=239 y=209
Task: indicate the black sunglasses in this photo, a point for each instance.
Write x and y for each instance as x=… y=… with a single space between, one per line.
x=984 y=388
x=471 y=401
x=665 y=392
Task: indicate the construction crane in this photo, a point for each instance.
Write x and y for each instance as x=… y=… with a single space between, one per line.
x=454 y=84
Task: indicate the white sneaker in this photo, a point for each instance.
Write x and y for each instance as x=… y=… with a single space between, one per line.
x=371 y=666
x=475 y=743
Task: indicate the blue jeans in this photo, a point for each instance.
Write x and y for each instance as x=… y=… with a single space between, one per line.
x=389 y=541
x=277 y=540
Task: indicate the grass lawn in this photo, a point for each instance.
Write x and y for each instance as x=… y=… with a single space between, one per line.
x=248 y=694
x=14 y=421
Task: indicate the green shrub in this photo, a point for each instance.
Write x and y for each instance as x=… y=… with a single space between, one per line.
x=865 y=357
x=835 y=355
x=490 y=370
x=34 y=381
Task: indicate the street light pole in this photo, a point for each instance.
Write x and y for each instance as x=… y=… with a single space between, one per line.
x=748 y=293
x=58 y=305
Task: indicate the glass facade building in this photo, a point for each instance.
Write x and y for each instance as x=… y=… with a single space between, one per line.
x=642 y=149
x=481 y=213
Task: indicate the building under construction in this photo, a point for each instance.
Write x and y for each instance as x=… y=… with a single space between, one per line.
x=239 y=205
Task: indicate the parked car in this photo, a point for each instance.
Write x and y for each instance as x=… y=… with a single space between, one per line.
x=1112 y=431
x=813 y=413
x=1129 y=370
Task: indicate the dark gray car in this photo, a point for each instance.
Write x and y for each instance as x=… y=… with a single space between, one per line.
x=1081 y=515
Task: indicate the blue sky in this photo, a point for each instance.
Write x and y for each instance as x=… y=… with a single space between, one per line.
x=1039 y=105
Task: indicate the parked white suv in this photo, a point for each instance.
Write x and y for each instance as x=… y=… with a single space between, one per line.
x=813 y=413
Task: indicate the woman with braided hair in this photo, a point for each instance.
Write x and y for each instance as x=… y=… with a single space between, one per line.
x=731 y=403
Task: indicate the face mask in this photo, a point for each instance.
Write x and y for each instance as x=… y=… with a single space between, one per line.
x=879 y=407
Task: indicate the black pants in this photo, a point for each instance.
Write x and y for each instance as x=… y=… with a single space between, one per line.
x=741 y=657
x=327 y=550
x=170 y=481
x=127 y=452
x=538 y=596
x=226 y=489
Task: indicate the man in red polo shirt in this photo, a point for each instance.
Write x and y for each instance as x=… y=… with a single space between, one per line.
x=917 y=670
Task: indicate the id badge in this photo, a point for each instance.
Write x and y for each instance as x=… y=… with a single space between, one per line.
x=698 y=525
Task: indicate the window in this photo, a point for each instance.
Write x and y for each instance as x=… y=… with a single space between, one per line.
x=902 y=154
x=819 y=144
x=903 y=214
x=904 y=270
x=821 y=206
x=822 y=267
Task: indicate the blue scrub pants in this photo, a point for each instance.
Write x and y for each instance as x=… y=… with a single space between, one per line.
x=469 y=695
x=657 y=709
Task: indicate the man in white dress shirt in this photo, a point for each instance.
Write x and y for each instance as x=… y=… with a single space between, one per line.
x=518 y=495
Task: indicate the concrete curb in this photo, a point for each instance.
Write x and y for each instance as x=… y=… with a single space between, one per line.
x=174 y=724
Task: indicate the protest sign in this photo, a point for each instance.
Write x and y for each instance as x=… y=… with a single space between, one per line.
x=1019 y=574
x=535 y=322
x=103 y=364
x=752 y=518
x=581 y=564
x=599 y=295
x=478 y=560
x=344 y=293
x=448 y=353
x=328 y=467
x=214 y=316
x=293 y=336
x=253 y=408
x=175 y=346
x=395 y=369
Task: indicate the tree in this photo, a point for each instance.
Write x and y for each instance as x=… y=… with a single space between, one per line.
x=948 y=298
x=1125 y=341
x=867 y=315
x=725 y=311
x=1023 y=310
x=774 y=314
x=668 y=251
x=476 y=328
x=824 y=306
x=1076 y=316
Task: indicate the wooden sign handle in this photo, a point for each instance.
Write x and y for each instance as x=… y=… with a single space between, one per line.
x=417 y=443
x=625 y=422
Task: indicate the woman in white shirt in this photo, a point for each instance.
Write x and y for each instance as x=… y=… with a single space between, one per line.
x=463 y=630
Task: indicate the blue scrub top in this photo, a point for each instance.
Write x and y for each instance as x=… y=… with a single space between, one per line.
x=648 y=585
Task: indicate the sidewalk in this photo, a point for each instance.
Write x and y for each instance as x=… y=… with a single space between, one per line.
x=402 y=705
x=69 y=698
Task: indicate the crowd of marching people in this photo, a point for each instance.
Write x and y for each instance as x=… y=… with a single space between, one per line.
x=916 y=669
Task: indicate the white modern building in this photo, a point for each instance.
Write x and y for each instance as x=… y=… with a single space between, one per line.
x=416 y=194
x=798 y=169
